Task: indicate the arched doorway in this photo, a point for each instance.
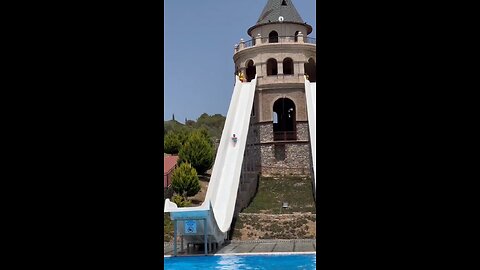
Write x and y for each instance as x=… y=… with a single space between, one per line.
x=285 y=126
x=288 y=66
x=310 y=70
x=273 y=37
x=272 y=68
x=251 y=71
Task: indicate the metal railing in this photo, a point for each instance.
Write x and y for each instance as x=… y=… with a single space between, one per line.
x=249 y=43
x=310 y=40
x=284 y=135
x=275 y=40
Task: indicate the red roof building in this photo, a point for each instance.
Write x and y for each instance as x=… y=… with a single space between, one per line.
x=169 y=164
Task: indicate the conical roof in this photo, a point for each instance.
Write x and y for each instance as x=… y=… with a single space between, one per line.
x=274 y=9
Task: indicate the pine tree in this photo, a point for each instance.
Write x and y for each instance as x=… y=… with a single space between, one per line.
x=172 y=143
x=185 y=181
x=198 y=151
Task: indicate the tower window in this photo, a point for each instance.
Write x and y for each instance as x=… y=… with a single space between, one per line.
x=284 y=2
x=288 y=66
x=272 y=68
x=273 y=37
x=284 y=128
x=251 y=70
x=310 y=70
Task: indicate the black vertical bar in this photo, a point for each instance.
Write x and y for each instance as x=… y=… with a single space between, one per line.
x=175 y=238
x=205 y=233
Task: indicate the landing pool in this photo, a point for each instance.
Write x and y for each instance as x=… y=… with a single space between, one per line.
x=251 y=261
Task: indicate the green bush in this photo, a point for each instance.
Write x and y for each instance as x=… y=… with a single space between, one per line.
x=183 y=134
x=198 y=151
x=180 y=201
x=172 y=143
x=185 y=181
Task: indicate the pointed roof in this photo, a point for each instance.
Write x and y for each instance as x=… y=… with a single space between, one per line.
x=276 y=8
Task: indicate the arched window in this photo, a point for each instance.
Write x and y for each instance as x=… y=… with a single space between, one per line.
x=272 y=68
x=310 y=70
x=296 y=36
x=284 y=128
x=287 y=66
x=273 y=37
x=251 y=70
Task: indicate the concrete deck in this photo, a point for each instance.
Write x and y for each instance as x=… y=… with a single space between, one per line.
x=253 y=246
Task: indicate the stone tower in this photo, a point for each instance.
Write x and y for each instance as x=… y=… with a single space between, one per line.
x=280 y=54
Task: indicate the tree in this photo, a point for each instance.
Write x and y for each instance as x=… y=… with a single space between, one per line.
x=204 y=132
x=197 y=151
x=172 y=143
x=183 y=134
x=185 y=181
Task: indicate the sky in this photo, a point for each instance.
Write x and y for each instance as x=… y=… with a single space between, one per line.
x=199 y=41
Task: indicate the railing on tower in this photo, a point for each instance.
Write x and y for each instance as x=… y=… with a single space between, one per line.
x=274 y=40
x=311 y=40
x=284 y=135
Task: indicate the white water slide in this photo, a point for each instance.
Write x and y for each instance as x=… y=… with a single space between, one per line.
x=216 y=212
x=311 y=96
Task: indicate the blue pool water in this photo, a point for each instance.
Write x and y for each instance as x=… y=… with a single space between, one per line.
x=229 y=262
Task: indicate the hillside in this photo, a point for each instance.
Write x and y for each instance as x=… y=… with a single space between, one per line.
x=212 y=123
x=265 y=218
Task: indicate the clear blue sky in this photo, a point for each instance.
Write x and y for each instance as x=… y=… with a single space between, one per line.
x=199 y=40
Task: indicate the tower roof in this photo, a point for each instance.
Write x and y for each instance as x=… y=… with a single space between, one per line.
x=276 y=8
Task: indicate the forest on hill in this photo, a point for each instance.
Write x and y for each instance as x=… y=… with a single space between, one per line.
x=213 y=124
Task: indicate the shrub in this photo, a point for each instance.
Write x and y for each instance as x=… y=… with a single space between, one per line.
x=185 y=181
x=180 y=201
x=197 y=151
x=172 y=143
x=183 y=134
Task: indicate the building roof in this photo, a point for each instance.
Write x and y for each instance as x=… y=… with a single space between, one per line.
x=276 y=8
x=169 y=163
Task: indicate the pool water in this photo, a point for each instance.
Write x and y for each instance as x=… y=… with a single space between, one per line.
x=276 y=262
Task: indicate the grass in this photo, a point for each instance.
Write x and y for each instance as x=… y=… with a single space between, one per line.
x=273 y=191
x=271 y=227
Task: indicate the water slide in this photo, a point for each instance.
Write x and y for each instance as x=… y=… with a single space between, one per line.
x=215 y=214
x=311 y=96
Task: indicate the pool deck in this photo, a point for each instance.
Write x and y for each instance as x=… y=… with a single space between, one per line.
x=252 y=246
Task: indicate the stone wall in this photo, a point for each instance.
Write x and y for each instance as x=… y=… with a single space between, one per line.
x=303 y=133
x=286 y=158
x=246 y=190
x=250 y=168
x=296 y=162
x=260 y=158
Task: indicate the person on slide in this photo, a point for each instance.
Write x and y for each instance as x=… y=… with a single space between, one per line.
x=234 y=139
x=241 y=77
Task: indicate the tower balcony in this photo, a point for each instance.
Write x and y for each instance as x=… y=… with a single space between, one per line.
x=275 y=41
x=281 y=79
x=285 y=135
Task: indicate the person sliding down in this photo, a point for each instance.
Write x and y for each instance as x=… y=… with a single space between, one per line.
x=241 y=77
x=234 y=139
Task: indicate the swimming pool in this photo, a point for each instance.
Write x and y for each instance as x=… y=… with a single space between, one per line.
x=276 y=262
